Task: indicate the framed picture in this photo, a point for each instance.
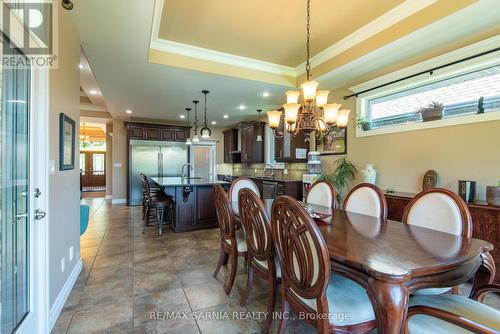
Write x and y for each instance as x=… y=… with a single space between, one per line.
x=66 y=142
x=335 y=143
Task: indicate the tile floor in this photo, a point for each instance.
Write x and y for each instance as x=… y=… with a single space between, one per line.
x=129 y=279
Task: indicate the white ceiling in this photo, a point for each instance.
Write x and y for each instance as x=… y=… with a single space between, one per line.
x=116 y=39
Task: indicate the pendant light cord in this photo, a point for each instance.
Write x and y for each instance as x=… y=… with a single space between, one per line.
x=205 y=92
x=308 y=43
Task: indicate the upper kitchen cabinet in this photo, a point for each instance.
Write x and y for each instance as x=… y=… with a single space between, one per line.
x=289 y=148
x=146 y=131
x=252 y=151
x=231 y=154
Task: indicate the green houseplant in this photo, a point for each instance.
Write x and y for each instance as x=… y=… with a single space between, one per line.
x=433 y=111
x=343 y=174
x=363 y=123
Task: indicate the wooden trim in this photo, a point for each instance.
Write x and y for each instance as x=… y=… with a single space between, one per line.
x=330 y=186
x=378 y=191
x=155 y=125
x=464 y=210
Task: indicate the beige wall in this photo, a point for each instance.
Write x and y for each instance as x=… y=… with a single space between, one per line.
x=120 y=161
x=64 y=193
x=468 y=152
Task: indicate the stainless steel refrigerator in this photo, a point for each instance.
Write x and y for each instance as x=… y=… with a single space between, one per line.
x=153 y=158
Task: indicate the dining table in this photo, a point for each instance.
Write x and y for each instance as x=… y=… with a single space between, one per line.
x=391 y=260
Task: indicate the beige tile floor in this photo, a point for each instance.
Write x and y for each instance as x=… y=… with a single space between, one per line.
x=129 y=278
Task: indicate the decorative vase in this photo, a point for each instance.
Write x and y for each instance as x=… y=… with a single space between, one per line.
x=369 y=174
x=493 y=195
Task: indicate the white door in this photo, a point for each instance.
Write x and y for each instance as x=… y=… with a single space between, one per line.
x=203 y=159
x=23 y=200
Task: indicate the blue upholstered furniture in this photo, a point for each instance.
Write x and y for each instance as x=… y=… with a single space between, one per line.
x=84 y=218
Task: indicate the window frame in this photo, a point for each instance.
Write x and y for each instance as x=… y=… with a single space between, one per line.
x=476 y=64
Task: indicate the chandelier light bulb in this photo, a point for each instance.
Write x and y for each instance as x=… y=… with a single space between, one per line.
x=343 y=118
x=322 y=98
x=330 y=112
x=309 y=90
x=291 y=112
x=188 y=141
x=274 y=117
x=195 y=139
x=292 y=96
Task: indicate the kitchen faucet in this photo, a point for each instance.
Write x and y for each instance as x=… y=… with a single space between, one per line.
x=272 y=169
x=182 y=170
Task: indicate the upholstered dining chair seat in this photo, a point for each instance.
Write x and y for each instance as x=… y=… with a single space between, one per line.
x=459 y=305
x=276 y=262
x=240 y=241
x=431 y=291
x=348 y=302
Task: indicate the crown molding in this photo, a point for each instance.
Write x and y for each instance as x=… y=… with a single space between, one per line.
x=92 y=107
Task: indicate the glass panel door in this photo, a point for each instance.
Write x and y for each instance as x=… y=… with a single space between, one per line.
x=14 y=198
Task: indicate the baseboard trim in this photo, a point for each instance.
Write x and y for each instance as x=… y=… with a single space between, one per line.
x=119 y=201
x=63 y=295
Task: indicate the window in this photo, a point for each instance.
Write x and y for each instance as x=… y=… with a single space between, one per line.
x=98 y=163
x=460 y=95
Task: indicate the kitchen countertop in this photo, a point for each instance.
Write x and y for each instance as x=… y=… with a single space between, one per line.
x=275 y=179
x=177 y=181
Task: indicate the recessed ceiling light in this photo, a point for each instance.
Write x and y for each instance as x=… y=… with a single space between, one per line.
x=128 y=111
x=265 y=94
x=182 y=116
x=80 y=66
x=226 y=116
x=214 y=122
x=242 y=107
x=93 y=92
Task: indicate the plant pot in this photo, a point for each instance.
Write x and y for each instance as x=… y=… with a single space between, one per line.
x=493 y=195
x=432 y=114
x=367 y=126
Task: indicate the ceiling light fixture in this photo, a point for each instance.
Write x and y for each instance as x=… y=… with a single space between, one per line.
x=128 y=111
x=214 y=122
x=93 y=92
x=195 y=136
x=259 y=136
x=67 y=4
x=188 y=140
x=205 y=131
x=242 y=107
x=182 y=116
x=80 y=66
x=314 y=114
x=265 y=94
x=226 y=116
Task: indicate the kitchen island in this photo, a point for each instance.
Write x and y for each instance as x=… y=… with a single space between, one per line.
x=194 y=203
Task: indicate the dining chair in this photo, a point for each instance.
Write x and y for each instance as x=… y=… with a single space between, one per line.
x=441 y=210
x=236 y=186
x=155 y=204
x=232 y=241
x=453 y=313
x=366 y=199
x=262 y=259
x=323 y=193
x=328 y=301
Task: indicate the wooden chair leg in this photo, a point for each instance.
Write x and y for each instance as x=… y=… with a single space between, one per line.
x=159 y=217
x=222 y=257
x=248 y=289
x=146 y=219
x=234 y=268
x=284 y=316
x=271 y=303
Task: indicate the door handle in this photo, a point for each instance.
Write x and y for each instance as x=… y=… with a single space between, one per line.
x=39 y=214
x=21 y=216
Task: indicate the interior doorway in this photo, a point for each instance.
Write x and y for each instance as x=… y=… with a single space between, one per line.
x=203 y=159
x=92 y=159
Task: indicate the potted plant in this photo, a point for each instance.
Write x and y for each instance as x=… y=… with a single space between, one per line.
x=433 y=111
x=363 y=123
x=343 y=174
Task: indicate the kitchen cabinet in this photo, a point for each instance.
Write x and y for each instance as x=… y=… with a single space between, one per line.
x=252 y=151
x=231 y=146
x=270 y=187
x=145 y=131
x=285 y=149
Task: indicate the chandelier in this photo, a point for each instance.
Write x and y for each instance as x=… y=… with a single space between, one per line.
x=314 y=113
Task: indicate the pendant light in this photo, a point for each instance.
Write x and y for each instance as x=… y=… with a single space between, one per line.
x=188 y=140
x=205 y=131
x=259 y=136
x=195 y=136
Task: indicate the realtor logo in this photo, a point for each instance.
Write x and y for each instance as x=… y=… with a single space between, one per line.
x=29 y=33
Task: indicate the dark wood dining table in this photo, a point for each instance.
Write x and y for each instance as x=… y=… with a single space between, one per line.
x=392 y=260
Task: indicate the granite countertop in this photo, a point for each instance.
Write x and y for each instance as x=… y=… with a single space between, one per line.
x=275 y=179
x=177 y=181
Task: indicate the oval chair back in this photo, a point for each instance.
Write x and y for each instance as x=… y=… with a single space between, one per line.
x=366 y=199
x=441 y=210
x=256 y=225
x=322 y=193
x=241 y=183
x=224 y=212
x=305 y=264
